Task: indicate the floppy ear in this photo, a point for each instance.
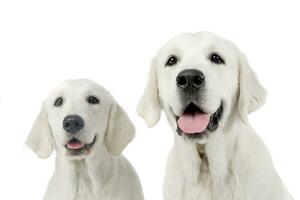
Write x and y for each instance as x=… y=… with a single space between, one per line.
x=149 y=108
x=251 y=93
x=120 y=130
x=40 y=139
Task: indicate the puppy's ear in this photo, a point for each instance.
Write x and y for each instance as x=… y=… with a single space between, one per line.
x=149 y=108
x=120 y=130
x=40 y=139
x=251 y=93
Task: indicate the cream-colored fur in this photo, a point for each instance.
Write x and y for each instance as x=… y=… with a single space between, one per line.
x=231 y=163
x=103 y=173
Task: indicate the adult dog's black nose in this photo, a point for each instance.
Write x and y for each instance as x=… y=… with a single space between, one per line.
x=73 y=123
x=190 y=80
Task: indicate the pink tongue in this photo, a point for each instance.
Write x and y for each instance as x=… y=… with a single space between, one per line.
x=75 y=145
x=191 y=124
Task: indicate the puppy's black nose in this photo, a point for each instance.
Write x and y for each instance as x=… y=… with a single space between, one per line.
x=73 y=123
x=190 y=80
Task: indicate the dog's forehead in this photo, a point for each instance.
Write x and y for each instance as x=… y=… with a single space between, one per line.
x=78 y=87
x=196 y=42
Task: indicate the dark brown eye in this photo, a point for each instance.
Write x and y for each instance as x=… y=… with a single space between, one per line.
x=58 y=102
x=215 y=58
x=172 y=61
x=92 y=100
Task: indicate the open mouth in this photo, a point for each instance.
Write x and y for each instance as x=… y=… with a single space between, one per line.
x=77 y=147
x=194 y=122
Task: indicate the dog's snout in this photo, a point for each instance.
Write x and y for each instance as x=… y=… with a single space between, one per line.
x=73 y=123
x=190 y=79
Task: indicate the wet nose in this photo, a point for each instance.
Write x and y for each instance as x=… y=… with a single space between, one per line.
x=73 y=123
x=190 y=80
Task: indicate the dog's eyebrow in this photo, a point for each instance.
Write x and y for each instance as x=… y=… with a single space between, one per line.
x=92 y=93
x=174 y=50
x=211 y=48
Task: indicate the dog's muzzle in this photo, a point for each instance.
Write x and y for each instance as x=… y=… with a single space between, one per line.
x=73 y=124
x=194 y=122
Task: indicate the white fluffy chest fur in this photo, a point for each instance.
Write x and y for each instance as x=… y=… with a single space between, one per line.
x=82 y=186
x=192 y=178
x=74 y=180
x=94 y=179
x=233 y=166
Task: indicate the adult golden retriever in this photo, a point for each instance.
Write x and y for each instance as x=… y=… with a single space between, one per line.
x=206 y=88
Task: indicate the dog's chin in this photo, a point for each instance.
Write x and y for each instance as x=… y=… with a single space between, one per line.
x=77 y=149
x=197 y=125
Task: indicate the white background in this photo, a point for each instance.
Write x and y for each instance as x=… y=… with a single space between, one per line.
x=45 y=42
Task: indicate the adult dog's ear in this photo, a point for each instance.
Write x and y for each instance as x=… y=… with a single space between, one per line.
x=40 y=139
x=251 y=93
x=149 y=108
x=120 y=130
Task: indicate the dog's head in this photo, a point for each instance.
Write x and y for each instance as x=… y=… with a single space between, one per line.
x=76 y=117
x=199 y=80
